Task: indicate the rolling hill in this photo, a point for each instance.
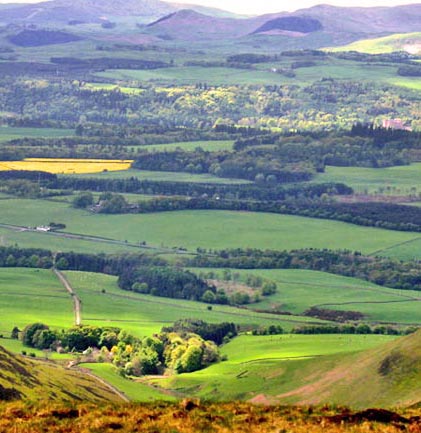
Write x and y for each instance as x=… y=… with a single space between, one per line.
x=332 y=25
x=83 y=11
x=335 y=23
x=27 y=379
x=387 y=376
x=408 y=42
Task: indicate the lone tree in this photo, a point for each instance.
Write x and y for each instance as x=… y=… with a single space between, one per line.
x=15 y=333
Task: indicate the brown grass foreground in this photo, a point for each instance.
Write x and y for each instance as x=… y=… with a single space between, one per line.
x=189 y=417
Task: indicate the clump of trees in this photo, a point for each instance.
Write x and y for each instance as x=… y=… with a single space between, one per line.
x=217 y=332
x=178 y=352
x=164 y=281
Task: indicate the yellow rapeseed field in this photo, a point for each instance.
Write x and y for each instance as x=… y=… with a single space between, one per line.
x=66 y=166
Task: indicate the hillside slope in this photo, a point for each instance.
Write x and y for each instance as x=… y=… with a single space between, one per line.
x=409 y=42
x=27 y=379
x=86 y=11
x=387 y=376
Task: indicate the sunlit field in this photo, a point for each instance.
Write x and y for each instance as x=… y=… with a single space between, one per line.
x=66 y=166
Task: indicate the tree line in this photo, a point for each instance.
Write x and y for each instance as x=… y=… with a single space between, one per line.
x=379 y=270
x=372 y=214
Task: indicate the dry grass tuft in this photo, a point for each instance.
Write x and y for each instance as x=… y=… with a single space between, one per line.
x=191 y=416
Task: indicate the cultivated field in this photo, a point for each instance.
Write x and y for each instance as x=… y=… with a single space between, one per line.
x=66 y=166
x=209 y=229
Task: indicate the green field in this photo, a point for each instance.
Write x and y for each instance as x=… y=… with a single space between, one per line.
x=298 y=290
x=399 y=181
x=16 y=346
x=189 y=146
x=135 y=391
x=387 y=44
x=338 y=69
x=144 y=315
x=131 y=198
x=28 y=239
x=265 y=365
x=197 y=74
x=208 y=229
x=33 y=295
x=163 y=176
x=10 y=133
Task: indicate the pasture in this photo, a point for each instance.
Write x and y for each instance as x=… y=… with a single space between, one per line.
x=66 y=166
x=105 y=304
x=12 y=133
x=171 y=176
x=208 y=229
x=189 y=146
x=267 y=365
x=397 y=42
x=299 y=290
x=397 y=181
x=183 y=75
x=33 y=295
x=135 y=391
x=265 y=74
x=62 y=242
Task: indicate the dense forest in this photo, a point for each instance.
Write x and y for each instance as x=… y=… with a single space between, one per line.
x=323 y=105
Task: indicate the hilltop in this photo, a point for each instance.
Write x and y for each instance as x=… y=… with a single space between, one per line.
x=22 y=378
x=334 y=23
x=314 y=27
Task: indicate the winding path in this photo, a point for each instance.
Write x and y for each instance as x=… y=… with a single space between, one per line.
x=77 y=303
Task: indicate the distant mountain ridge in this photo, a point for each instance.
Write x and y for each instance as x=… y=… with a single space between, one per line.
x=349 y=23
x=331 y=25
x=94 y=11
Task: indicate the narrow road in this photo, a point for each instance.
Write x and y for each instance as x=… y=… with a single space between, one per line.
x=104 y=382
x=77 y=303
x=98 y=239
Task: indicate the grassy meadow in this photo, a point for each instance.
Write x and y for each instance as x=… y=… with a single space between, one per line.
x=135 y=391
x=264 y=75
x=33 y=295
x=299 y=290
x=107 y=305
x=398 y=181
x=388 y=44
x=189 y=146
x=266 y=366
x=12 y=133
x=207 y=229
x=172 y=176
